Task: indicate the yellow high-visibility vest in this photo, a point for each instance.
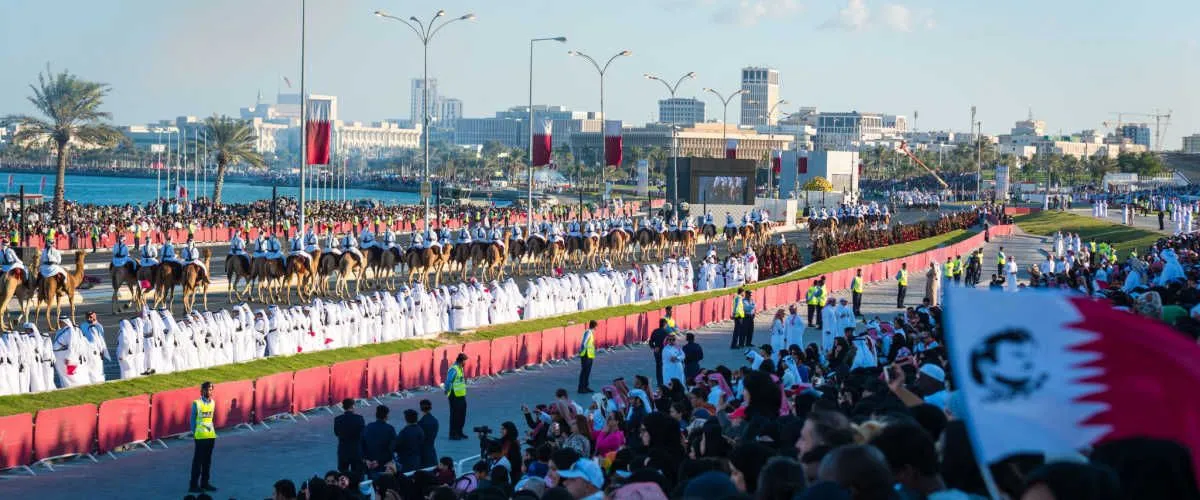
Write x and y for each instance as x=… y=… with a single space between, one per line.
x=902 y=277
x=588 y=349
x=821 y=296
x=670 y=323
x=856 y=285
x=204 y=419
x=1000 y=259
x=458 y=383
x=738 y=311
x=958 y=266
x=948 y=269
x=813 y=295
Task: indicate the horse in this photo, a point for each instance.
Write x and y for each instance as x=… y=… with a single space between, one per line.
x=237 y=267
x=50 y=288
x=731 y=235
x=196 y=278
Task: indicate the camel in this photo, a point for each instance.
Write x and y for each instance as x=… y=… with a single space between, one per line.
x=237 y=267
x=535 y=249
x=589 y=251
x=516 y=253
x=195 y=278
x=614 y=245
x=267 y=275
x=646 y=239
x=494 y=257
x=710 y=233
x=147 y=275
x=440 y=261
x=19 y=285
x=415 y=260
x=382 y=263
x=747 y=234
x=349 y=266
x=304 y=270
x=124 y=276
x=50 y=290
x=556 y=256
x=167 y=276
x=327 y=266
x=574 y=247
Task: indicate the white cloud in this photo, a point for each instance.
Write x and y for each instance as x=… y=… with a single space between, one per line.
x=897 y=17
x=857 y=16
x=750 y=12
x=853 y=17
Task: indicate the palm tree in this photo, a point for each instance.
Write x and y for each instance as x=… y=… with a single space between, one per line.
x=71 y=107
x=231 y=141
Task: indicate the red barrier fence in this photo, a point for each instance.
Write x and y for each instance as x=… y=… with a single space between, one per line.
x=123 y=421
x=84 y=428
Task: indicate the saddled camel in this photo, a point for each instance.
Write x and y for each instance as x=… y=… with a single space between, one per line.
x=382 y=264
x=731 y=236
x=555 y=256
x=517 y=248
x=124 y=276
x=535 y=251
x=51 y=290
x=267 y=274
x=614 y=244
x=146 y=275
x=327 y=266
x=683 y=240
x=196 y=279
x=710 y=233
x=167 y=276
x=440 y=261
x=589 y=251
x=304 y=271
x=494 y=258
x=237 y=268
x=17 y=284
x=350 y=265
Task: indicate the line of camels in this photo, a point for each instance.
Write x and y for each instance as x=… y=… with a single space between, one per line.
x=268 y=280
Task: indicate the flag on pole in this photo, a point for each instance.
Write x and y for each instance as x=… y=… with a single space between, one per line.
x=1047 y=372
x=612 y=143
x=318 y=130
x=43 y=186
x=181 y=191
x=542 y=143
x=802 y=165
x=731 y=149
x=776 y=161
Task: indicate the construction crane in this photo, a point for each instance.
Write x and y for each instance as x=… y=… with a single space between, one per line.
x=1161 y=122
x=904 y=149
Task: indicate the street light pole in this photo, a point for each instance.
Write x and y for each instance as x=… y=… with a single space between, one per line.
x=303 y=115
x=603 y=147
x=425 y=31
x=674 y=141
x=724 y=108
x=529 y=208
x=771 y=137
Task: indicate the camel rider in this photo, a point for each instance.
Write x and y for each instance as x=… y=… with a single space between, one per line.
x=331 y=243
x=349 y=244
x=296 y=247
x=260 y=246
x=311 y=247
x=543 y=230
x=418 y=241
x=237 y=246
x=191 y=255
x=755 y=217
x=481 y=233
x=573 y=229
x=746 y=219
x=51 y=262
x=367 y=238
x=687 y=224
x=729 y=223
x=120 y=252
x=497 y=235
x=516 y=233
x=9 y=259
x=464 y=236
x=167 y=253
x=274 y=249
x=589 y=230
x=149 y=255
x=389 y=239
x=708 y=218
x=445 y=240
x=555 y=237
x=443 y=237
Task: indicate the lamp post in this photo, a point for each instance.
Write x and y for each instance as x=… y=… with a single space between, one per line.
x=674 y=142
x=603 y=152
x=724 y=107
x=425 y=31
x=771 y=137
x=529 y=209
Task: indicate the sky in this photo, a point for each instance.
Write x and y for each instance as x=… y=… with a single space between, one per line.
x=1074 y=63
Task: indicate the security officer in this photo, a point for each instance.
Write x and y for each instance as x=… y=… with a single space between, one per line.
x=814 y=307
x=587 y=354
x=958 y=269
x=739 y=317
x=1000 y=262
x=669 y=315
x=205 y=436
x=901 y=284
x=455 y=387
x=856 y=291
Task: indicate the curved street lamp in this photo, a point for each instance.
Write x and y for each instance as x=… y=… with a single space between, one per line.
x=724 y=106
x=674 y=140
x=529 y=209
x=601 y=69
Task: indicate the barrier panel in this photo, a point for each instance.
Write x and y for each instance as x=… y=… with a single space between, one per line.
x=529 y=349
x=347 y=380
x=632 y=324
x=572 y=340
x=383 y=375
x=443 y=357
x=64 y=431
x=610 y=332
x=504 y=354
x=123 y=421
x=171 y=412
x=652 y=320
x=552 y=344
x=272 y=396
x=16 y=446
x=479 y=358
x=310 y=388
x=235 y=403
x=416 y=368
x=682 y=314
x=706 y=311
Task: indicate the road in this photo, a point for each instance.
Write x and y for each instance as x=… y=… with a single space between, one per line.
x=246 y=463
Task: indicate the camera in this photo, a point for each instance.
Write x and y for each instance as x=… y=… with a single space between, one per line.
x=485 y=430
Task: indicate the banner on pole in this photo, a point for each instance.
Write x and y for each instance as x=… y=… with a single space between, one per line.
x=643 y=178
x=731 y=149
x=612 y=143
x=318 y=130
x=543 y=143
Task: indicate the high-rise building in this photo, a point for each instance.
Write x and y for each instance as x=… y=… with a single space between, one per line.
x=1139 y=133
x=761 y=86
x=1191 y=144
x=681 y=111
x=450 y=111
x=418 y=103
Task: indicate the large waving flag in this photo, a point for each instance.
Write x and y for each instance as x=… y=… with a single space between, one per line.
x=612 y=143
x=318 y=130
x=776 y=161
x=1047 y=372
x=542 y=143
x=731 y=149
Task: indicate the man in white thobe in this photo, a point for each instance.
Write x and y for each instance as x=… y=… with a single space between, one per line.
x=829 y=323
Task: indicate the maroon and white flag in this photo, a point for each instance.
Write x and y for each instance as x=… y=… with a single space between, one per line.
x=612 y=143
x=1048 y=372
x=731 y=149
x=318 y=128
x=181 y=191
x=776 y=161
x=542 y=143
x=802 y=165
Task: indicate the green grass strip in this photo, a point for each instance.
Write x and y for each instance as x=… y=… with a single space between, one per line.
x=1123 y=238
x=11 y=405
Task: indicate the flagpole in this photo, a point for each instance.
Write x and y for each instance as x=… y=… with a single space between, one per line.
x=303 y=112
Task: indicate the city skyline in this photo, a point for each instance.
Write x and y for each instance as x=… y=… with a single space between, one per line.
x=938 y=59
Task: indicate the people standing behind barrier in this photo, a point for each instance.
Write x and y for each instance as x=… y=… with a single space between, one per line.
x=377 y=440
x=429 y=425
x=204 y=436
x=901 y=284
x=348 y=428
x=455 y=388
x=587 y=355
x=409 y=442
x=658 y=337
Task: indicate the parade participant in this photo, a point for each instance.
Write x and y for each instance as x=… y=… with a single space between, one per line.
x=51 y=261
x=120 y=253
x=191 y=255
x=167 y=252
x=311 y=245
x=204 y=435
x=350 y=244
x=237 y=246
x=71 y=356
x=296 y=247
x=729 y=222
x=455 y=388
x=366 y=238
x=388 y=241
x=273 y=249
x=708 y=218
x=93 y=332
x=259 y=248
x=587 y=355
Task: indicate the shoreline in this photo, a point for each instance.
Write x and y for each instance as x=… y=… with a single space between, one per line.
x=229 y=178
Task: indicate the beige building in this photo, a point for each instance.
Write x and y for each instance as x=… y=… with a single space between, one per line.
x=705 y=140
x=1191 y=144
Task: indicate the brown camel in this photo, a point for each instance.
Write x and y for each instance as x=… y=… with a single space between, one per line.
x=494 y=258
x=237 y=267
x=438 y=261
x=516 y=253
x=304 y=271
x=349 y=266
x=589 y=251
x=382 y=264
x=268 y=275
x=52 y=289
x=327 y=266
x=167 y=276
x=710 y=233
x=196 y=278
x=535 y=250
x=124 y=276
x=19 y=285
x=414 y=261
x=614 y=245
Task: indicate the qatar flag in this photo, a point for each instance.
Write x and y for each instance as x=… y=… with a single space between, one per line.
x=612 y=143
x=542 y=144
x=731 y=149
x=317 y=129
x=802 y=165
x=1055 y=373
x=776 y=161
x=181 y=191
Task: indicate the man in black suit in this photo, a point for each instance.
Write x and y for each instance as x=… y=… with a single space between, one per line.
x=348 y=427
x=409 y=443
x=429 y=425
x=657 y=337
x=379 y=438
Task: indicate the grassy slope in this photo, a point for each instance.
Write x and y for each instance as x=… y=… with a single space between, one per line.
x=10 y=405
x=1124 y=238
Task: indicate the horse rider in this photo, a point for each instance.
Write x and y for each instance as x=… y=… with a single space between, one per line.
x=350 y=244
x=191 y=255
x=687 y=224
x=51 y=262
x=120 y=252
x=311 y=246
x=708 y=219
x=273 y=249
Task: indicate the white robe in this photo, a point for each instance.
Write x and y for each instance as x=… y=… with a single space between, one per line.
x=830 y=325
x=795 y=329
x=672 y=364
x=778 y=334
x=127 y=353
x=71 y=358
